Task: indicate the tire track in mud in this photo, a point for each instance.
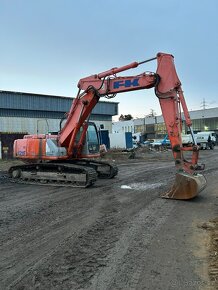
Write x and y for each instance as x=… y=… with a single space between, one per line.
x=27 y=252
x=82 y=256
x=27 y=202
x=32 y=237
x=150 y=173
x=73 y=266
x=101 y=247
x=127 y=258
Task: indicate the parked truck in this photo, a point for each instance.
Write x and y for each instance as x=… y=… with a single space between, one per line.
x=187 y=140
x=206 y=140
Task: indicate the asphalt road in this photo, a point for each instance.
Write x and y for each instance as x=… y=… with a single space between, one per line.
x=119 y=234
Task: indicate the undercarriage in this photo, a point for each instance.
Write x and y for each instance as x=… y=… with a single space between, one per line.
x=72 y=173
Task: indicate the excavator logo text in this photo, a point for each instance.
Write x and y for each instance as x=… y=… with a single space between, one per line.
x=126 y=83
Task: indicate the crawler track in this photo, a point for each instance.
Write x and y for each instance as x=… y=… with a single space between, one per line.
x=57 y=174
x=104 y=169
x=73 y=173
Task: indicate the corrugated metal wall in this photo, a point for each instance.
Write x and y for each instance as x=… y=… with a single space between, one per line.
x=32 y=113
x=30 y=125
x=24 y=101
x=40 y=126
x=38 y=102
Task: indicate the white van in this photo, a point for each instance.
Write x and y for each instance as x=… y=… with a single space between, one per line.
x=206 y=140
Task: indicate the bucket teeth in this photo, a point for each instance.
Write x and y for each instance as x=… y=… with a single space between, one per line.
x=186 y=186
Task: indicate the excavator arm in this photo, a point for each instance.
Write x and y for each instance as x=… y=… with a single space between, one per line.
x=168 y=89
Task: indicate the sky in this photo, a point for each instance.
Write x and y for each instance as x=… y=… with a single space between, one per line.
x=47 y=46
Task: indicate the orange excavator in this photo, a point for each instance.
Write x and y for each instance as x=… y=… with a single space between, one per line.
x=68 y=158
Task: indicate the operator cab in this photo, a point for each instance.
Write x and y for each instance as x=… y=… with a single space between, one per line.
x=91 y=144
x=92 y=139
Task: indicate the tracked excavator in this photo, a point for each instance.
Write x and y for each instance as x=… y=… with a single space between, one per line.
x=68 y=158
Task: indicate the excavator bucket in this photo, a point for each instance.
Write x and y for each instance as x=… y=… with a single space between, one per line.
x=186 y=186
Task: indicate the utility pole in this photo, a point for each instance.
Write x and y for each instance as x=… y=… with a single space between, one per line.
x=203 y=105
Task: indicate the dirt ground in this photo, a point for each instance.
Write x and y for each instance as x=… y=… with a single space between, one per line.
x=119 y=234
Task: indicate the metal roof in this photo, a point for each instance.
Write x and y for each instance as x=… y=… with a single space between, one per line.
x=39 y=102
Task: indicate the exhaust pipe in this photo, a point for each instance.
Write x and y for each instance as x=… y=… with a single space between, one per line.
x=186 y=186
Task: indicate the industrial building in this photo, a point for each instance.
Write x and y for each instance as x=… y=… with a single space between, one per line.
x=29 y=113
x=154 y=127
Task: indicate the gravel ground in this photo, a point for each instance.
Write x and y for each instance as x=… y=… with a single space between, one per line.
x=116 y=235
